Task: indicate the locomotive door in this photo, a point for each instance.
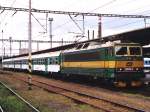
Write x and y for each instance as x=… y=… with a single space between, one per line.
x=108 y=62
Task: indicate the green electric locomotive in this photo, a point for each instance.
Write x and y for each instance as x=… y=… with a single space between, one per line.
x=121 y=63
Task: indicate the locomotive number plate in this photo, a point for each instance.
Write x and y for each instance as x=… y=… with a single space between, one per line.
x=128 y=69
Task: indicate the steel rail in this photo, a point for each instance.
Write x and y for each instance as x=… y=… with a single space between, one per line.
x=96 y=97
x=1 y=109
x=62 y=92
x=83 y=94
x=21 y=98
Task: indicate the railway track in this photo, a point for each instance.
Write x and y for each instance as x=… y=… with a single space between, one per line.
x=18 y=96
x=95 y=101
x=1 y=109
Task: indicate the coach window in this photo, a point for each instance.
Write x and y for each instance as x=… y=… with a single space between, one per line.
x=56 y=60
x=36 y=61
x=39 y=61
x=50 y=61
x=45 y=60
x=42 y=61
x=53 y=61
x=146 y=62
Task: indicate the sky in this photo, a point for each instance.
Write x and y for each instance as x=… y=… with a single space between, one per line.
x=16 y=26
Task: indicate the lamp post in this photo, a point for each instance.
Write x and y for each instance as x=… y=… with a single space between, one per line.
x=50 y=31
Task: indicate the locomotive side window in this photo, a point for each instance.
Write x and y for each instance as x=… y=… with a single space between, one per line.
x=135 y=50
x=79 y=46
x=86 y=45
x=121 y=50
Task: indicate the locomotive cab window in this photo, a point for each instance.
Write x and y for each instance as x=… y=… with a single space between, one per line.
x=135 y=50
x=121 y=50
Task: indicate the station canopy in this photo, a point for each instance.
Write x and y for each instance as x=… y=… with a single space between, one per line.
x=141 y=36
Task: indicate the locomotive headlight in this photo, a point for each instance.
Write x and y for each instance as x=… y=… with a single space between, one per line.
x=137 y=69
x=120 y=69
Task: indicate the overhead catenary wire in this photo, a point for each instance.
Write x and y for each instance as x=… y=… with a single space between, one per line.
x=104 y=5
x=38 y=21
x=111 y=21
x=75 y=13
x=7 y=12
x=119 y=4
x=126 y=24
x=128 y=11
